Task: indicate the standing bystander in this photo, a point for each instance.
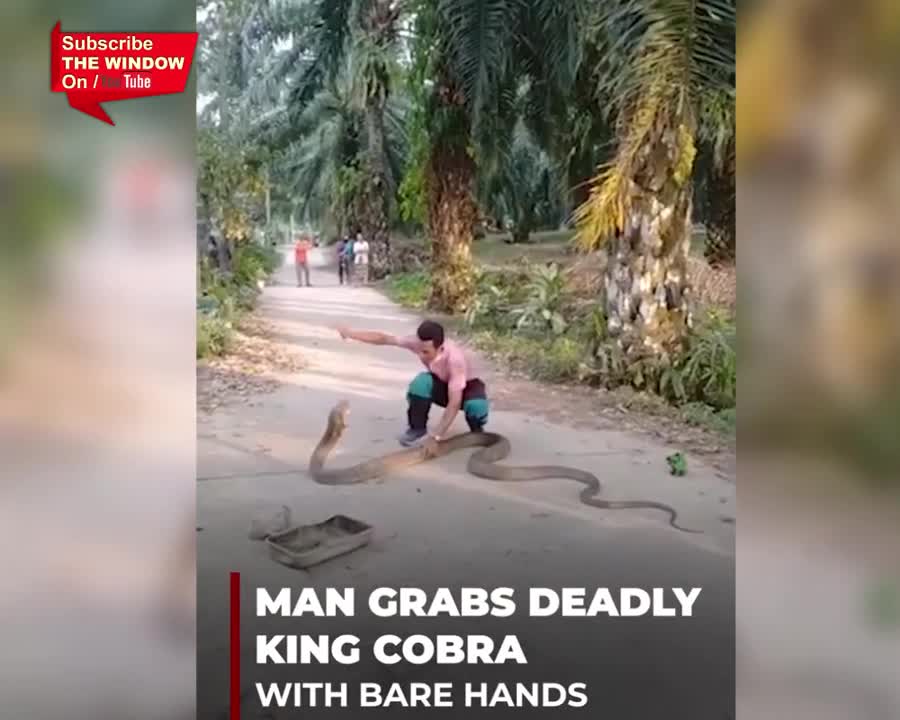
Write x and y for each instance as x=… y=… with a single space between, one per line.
x=361 y=257
x=341 y=249
x=301 y=260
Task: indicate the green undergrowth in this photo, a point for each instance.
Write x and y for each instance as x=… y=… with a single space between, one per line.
x=224 y=297
x=526 y=318
x=410 y=290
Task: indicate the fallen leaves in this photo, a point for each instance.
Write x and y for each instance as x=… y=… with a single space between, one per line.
x=248 y=369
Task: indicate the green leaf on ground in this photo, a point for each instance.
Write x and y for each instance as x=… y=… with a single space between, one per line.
x=677 y=464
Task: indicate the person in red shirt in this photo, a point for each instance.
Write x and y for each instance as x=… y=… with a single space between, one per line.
x=301 y=260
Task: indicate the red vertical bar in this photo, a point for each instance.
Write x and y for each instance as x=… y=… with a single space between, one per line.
x=235 y=656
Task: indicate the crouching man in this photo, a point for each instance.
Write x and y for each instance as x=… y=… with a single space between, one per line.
x=448 y=381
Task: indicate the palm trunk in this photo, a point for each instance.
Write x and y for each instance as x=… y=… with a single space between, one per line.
x=223 y=253
x=521 y=231
x=373 y=207
x=378 y=26
x=451 y=224
x=646 y=281
x=223 y=250
x=268 y=202
x=721 y=244
x=520 y=234
x=565 y=202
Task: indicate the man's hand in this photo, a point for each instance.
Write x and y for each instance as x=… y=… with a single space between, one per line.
x=453 y=405
x=431 y=446
x=343 y=331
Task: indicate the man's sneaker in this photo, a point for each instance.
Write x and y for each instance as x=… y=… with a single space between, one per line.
x=412 y=437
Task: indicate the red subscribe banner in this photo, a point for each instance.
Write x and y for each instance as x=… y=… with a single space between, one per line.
x=93 y=68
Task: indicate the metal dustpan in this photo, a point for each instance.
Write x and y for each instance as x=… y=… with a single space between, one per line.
x=303 y=546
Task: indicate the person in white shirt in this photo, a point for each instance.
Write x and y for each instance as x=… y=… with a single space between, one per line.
x=361 y=256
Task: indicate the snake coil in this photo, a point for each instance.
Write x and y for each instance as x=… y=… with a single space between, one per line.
x=483 y=464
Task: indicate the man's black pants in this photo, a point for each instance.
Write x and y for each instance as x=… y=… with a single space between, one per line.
x=427 y=389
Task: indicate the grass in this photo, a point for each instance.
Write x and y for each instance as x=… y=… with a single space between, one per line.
x=548 y=246
x=214 y=336
x=223 y=298
x=702 y=415
x=410 y=290
x=700 y=386
x=562 y=360
x=698 y=241
x=545 y=246
x=493 y=250
x=555 y=360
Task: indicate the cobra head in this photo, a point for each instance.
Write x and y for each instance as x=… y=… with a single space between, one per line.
x=338 y=415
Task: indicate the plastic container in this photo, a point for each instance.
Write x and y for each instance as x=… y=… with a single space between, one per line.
x=303 y=546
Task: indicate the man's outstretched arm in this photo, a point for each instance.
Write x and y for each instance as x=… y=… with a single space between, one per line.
x=367 y=336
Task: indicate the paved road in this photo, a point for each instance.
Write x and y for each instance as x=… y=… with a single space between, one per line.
x=438 y=526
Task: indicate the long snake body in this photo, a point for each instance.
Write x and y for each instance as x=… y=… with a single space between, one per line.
x=483 y=464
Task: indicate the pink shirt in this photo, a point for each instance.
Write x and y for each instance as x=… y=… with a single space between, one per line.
x=452 y=365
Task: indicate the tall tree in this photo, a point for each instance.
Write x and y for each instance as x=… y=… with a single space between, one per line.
x=374 y=50
x=664 y=58
x=231 y=187
x=232 y=177
x=466 y=65
x=325 y=160
x=560 y=58
x=470 y=58
x=356 y=41
x=232 y=39
x=524 y=191
x=322 y=164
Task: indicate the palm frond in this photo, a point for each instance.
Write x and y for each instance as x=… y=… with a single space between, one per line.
x=688 y=43
x=674 y=70
x=374 y=67
x=479 y=35
x=396 y=125
x=559 y=38
x=603 y=215
x=717 y=125
x=330 y=31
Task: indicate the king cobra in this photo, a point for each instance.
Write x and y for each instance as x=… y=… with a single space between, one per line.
x=483 y=464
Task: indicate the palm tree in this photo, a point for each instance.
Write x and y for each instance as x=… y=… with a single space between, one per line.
x=375 y=49
x=564 y=113
x=322 y=165
x=233 y=54
x=300 y=48
x=664 y=58
x=524 y=190
x=324 y=162
x=466 y=72
x=466 y=62
x=357 y=40
x=234 y=37
x=325 y=76
x=448 y=168
x=230 y=186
